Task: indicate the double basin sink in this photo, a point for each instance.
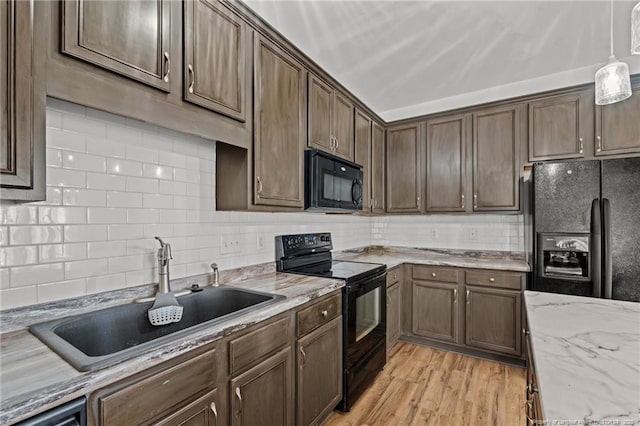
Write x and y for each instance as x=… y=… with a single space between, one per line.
x=102 y=338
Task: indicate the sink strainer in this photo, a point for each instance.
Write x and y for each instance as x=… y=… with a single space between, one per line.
x=165 y=310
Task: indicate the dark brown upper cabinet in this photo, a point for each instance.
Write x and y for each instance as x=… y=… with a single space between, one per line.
x=132 y=38
x=279 y=126
x=561 y=126
x=214 y=65
x=447 y=141
x=404 y=174
x=363 y=156
x=496 y=161
x=618 y=126
x=22 y=101
x=378 y=166
x=331 y=117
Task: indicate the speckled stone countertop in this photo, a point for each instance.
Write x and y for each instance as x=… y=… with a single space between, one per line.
x=393 y=256
x=587 y=357
x=33 y=378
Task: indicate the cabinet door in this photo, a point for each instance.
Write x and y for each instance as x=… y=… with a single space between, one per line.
x=22 y=101
x=618 y=126
x=446 y=164
x=493 y=319
x=435 y=310
x=279 y=128
x=363 y=156
x=264 y=394
x=560 y=126
x=343 y=126
x=319 y=385
x=377 y=168
x=201 y=412
x=403 y=169
x=320 y=132
x=131 y=38
x=393 y=315
x=214 y=58
x=496 y=147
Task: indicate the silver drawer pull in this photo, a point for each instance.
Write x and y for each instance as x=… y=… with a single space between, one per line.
x=433 y=274
x=214 y=409
x=192 y=78
x=492 y=280
x=167 y=69
x=324 y=312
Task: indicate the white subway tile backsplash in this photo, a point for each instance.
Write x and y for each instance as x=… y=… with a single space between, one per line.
x=62 y=252
x=83 y=233
x=86 y=268
x=128 y=181
x=19 y=255
x=119 y=166
x=36 y=274
x=61 y=290
x=102 y=181
x=35 y=234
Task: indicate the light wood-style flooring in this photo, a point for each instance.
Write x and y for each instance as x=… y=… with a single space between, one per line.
x=425 y=386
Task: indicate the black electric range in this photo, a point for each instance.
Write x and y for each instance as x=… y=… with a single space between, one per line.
x=364 y=306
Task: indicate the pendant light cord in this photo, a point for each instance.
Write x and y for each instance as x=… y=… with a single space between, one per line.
x=611 y=27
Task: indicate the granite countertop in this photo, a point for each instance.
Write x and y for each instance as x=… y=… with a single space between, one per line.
x=33 y=378
x=393 y=256
x=587 y=357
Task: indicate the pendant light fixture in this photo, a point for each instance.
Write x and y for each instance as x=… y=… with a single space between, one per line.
x=613 y=83
x=635 y=30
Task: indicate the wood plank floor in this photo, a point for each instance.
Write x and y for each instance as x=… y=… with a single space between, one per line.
x=425 y=386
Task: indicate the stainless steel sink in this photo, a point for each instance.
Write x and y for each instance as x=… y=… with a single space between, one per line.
x=98 y=339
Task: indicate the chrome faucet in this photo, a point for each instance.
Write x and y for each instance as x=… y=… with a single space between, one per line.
x=164 y=255
x=216 y=275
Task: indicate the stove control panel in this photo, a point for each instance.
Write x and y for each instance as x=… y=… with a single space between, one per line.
x=302 y=244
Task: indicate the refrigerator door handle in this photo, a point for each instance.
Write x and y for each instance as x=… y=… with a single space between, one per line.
x=607 y=261
x=596 y=248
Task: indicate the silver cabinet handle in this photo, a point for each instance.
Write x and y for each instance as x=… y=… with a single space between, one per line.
x=492 y=280
x=462 y=201
x=239 y=399
x=599 y=145
x=259 y=185
x=475 y=201
x=418 y=202
x=525 y=331
x=337 y=143
x=167 y=67
x=304 y=355
x=468 y=297
x=214 y=410
x=580 y=145
x=455 y=295
x=433 y=274
x=192 y=78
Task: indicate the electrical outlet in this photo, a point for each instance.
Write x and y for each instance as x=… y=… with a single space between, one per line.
x=260 y=242
x=433 y=233
x=473 y=234
x=229 y=244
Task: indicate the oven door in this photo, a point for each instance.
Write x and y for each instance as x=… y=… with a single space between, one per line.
x=332 y=184
x=366 y=317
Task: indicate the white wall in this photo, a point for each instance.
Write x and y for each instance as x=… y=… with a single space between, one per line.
x=114 y=183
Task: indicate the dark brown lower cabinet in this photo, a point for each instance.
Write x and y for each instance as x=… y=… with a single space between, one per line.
x=393 y=316
x=201 y=412
x=319 y=381
x=493 y=319
x=263 y=395
x=435 y=310
x=532 y=405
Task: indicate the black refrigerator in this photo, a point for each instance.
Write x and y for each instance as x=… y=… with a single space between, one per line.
x=586 y=228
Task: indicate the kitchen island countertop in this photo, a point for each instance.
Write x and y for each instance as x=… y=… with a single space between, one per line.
x=587 y=358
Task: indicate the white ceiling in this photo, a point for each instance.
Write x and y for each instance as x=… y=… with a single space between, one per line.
x=406 y=58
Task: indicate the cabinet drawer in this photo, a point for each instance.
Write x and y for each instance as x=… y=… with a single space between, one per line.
x=509 y=280
x=318 y=314
x=244 y=350
x=138 y=403
x=393 y=276
x=449 y=275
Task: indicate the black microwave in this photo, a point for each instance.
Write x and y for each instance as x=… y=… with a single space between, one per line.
x=331 y=183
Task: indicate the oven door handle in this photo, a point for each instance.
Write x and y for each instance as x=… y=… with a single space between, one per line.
x=368 y=285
